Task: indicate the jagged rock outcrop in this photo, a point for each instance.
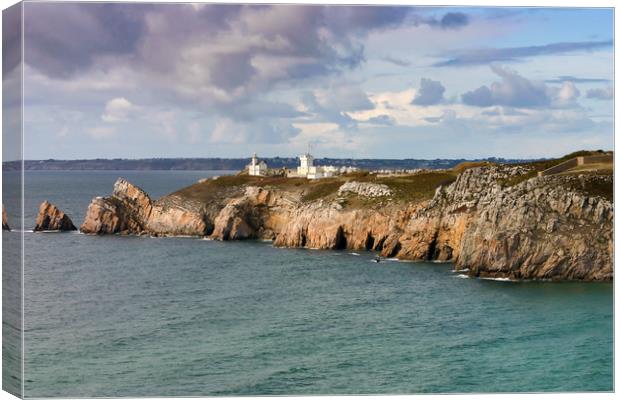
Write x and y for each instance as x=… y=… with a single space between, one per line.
x=541 y=228
x=130 y=210
x=5 y=223
x=50 y=218
x=365 y=189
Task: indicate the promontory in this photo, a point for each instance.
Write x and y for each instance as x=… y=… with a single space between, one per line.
x=547 y=220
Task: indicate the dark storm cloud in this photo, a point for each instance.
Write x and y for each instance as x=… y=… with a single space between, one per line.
x=511 y=54
x=231 y=70
x=454 y=20
x=11 y=39
x=429 y=93
x=62 y=38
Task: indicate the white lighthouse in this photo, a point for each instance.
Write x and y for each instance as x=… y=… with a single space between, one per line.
x=257 y=168
x=306 y=164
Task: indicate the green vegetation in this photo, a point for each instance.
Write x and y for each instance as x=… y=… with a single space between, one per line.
x=417 y=187
x=322 y=189
x=595 y=185
x=543 y=165
x=406 y=188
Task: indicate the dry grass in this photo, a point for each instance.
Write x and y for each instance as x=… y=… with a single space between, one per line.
x=457 y=169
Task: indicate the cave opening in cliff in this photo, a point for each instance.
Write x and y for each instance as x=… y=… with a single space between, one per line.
x=370 y=242
x=432 y=248
x=303 y=239
x=340 y=242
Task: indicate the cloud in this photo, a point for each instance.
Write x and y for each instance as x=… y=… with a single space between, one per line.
x=227 y=131
x=62 y=39
x=396 y=61
x=566 y=95
x=446 y=116
x=453 y=20
x=517 y=91
x=117 y=110
x=327 y=114
x=382 y=119
x=601 y=93
x=569 y=78
x=334 y=104
x=511 y=54
x=429 y=93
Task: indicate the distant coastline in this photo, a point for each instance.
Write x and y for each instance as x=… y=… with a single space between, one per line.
x=203 y=164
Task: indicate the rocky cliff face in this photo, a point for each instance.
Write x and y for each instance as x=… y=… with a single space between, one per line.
x=131 y=211
x=50 y=218
x=541 y=228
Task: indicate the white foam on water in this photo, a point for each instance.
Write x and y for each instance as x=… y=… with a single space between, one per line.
x=462 y=276
x=498 y=279
x=354 y=254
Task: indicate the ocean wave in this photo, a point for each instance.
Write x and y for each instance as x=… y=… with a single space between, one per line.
x=498 y=279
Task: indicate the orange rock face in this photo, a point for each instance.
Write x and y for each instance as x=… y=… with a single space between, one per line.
x=538 y=229
x=50 y=218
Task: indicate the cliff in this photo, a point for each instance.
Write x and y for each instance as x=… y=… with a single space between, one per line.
x=494 y=220
x=50 y=218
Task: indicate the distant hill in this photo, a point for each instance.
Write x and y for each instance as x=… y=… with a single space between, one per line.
x=203 y=164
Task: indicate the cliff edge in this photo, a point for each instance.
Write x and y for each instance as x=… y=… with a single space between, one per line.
x=489 y=220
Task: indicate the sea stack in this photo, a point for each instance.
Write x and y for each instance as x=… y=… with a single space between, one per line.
x=5 y=224
x=50 y=218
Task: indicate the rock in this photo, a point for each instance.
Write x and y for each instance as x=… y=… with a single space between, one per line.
x=5 y=224
x=130 y=210
x=365 y=189
x=50 y=218
x=126 y=211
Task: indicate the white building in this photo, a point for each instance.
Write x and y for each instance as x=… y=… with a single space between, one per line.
x=308 y=170
x=256 y=168
x=306 y=164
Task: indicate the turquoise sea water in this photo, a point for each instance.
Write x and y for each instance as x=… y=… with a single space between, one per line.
x=128 y=316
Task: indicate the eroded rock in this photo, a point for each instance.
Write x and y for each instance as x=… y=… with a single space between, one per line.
x=50 y=218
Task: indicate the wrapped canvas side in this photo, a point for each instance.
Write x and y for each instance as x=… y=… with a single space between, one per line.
x=12 y=201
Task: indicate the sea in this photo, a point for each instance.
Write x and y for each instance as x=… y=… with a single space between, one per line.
x=140 y=316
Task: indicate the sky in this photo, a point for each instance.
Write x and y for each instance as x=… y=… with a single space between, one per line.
x=123 y=80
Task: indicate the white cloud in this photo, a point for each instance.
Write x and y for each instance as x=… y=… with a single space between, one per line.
x=117 y=110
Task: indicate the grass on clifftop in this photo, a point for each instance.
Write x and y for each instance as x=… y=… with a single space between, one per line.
x=418 y=187
x=545 y=164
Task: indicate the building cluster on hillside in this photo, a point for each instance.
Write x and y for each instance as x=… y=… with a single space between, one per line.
x=306 y=168
x=397 y=171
